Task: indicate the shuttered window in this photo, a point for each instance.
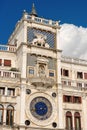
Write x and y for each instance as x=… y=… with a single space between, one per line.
x=76 y=99
x=85 y=75
x=67 y=98
x=7 y=63
x=71 y=99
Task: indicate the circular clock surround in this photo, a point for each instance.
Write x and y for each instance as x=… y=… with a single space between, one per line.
x=41 y=109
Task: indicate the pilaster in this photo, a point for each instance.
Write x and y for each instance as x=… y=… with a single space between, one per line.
x=59 y=86
x=22 y=104
x=84 y=111
x=60 y=110
x=24 y=61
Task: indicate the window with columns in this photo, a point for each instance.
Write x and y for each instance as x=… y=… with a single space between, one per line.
x=9 y=115
x=77 y=121
x=1 y=114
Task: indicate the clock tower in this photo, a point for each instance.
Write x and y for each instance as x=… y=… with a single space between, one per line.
x=38 y=58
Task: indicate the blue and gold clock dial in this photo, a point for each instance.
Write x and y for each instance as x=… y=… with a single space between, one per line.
x=41 y=108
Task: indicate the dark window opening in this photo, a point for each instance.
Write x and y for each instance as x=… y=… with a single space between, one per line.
x=39 y=44
x=9 y=115
x=69 y=121
x=79 y=75
x=11 y=92
x=76 y=99
x=51 y=74
x=67 y=98
x=65 y=72
x=71 y=99
x=77 y=121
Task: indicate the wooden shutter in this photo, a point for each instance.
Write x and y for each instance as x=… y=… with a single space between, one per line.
x=64 y=98
x=85 y=75
x=7 y=62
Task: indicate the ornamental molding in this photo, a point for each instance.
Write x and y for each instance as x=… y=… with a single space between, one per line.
x=35 y=120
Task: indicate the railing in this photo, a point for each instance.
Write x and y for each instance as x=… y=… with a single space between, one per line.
x=74 y=85
x=73 y=60
x=9 y=74
x=41 y=20
x=7 y=48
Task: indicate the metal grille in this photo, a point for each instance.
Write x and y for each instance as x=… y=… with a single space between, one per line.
x=50 y=36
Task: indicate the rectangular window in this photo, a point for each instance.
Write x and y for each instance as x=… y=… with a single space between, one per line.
x=76 y=99
x=67 y=98
x=85 y=75
x=2 y=90
x=31 y=71
x=11 y=92
x=7 y=63
x=69 y=83
x=79 y=75
x=51 y=74
x=79 y=84
x=65 y=72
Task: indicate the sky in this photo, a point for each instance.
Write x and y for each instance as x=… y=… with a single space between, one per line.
x=71 y=13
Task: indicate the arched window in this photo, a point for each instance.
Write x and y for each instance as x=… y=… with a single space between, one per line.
x=9 y=115
x=77 y=121
x=1 y=114
x=68 y=120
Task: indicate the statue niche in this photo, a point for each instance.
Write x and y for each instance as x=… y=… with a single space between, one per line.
x=41 y=70
x=40 y=40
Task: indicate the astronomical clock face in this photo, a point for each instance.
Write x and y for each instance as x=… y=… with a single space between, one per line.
x=41 y=108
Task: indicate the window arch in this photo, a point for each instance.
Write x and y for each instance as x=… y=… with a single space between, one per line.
x=1 y=113
x=77 y=121
x=68 y=120
x=9 y=115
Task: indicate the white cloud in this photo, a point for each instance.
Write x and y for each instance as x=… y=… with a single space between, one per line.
x=73 y=41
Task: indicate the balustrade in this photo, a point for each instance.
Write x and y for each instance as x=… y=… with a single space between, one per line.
x=42 y=20
x=7 y=48
x=9 y=74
